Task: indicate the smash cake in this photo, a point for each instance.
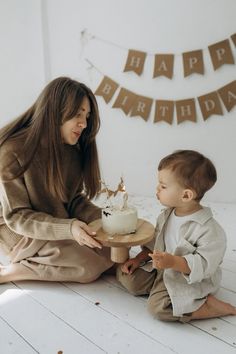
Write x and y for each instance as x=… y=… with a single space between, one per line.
x=119 y=219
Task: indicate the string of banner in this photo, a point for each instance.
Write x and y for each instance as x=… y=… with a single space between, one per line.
x=135 y=105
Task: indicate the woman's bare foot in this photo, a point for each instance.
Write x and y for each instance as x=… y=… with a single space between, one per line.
x=16 y=272
x=213 y=307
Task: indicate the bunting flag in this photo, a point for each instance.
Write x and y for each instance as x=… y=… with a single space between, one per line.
x=233 y=37
x=186 y=110
x=135 y=61
x=193 y=62
x=164 y=65
x=142 y=107
x=164 y=111
x=125 y=100
x=210 y=104
x=221 y=54
x=106 y=89
x=228 y=95
x=135 y=105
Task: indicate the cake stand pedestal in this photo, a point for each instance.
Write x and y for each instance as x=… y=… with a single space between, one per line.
x=120 y=244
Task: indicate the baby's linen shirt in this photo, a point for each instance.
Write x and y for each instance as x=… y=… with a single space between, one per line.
x=172 y=230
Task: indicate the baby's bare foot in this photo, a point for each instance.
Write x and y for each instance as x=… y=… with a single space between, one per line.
x=219 y=307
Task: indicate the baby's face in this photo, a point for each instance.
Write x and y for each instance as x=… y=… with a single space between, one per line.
x=169 y=191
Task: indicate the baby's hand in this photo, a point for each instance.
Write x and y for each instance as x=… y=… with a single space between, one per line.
x=162 y=260
x=129 y=266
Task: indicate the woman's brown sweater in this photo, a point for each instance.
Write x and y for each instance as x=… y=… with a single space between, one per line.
x=28 y=209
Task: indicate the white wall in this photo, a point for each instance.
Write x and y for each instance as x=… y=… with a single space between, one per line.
x=131 y=146
x=21 y=56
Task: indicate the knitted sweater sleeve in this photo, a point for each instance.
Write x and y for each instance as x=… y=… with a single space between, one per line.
x=83 y=209
x=21 y=218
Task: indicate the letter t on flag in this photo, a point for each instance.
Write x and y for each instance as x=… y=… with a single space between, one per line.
x=164 y=111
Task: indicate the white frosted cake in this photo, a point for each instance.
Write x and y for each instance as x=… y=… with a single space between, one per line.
x=119 y=221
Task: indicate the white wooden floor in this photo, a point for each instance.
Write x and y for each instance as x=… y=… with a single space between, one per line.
x=70 y=318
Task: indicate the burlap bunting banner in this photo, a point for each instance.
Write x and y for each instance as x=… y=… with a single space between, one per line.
x=220 y=53
x=135 y=105
x=210 y=104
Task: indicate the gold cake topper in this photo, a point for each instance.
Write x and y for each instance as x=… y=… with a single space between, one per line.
x=110 y=193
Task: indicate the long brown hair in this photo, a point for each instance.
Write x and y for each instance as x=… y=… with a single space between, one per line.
x=58 y=102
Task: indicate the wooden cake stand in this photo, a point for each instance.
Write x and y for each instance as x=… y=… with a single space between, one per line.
x=120 y=244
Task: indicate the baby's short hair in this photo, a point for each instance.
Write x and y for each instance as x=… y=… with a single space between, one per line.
x=192 y=170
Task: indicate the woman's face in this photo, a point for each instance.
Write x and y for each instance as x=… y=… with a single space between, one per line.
x=72 y=129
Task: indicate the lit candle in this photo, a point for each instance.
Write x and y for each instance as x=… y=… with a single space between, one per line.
x=125 y=199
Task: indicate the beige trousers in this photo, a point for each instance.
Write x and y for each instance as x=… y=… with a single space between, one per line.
x=63 y=260
x=151 y=283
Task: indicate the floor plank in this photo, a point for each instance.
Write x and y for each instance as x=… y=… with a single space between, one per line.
x=131 y=309
x=11 y=341
x=45 y=332
x=108 y=331
x=218 y=328
x=228 y=280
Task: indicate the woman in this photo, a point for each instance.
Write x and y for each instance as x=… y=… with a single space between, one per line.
x=49 y=172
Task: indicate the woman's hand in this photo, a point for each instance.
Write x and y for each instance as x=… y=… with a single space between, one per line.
x=130 y=265
x=83 y=234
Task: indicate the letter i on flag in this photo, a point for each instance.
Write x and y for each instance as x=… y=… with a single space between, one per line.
x=125 y=100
